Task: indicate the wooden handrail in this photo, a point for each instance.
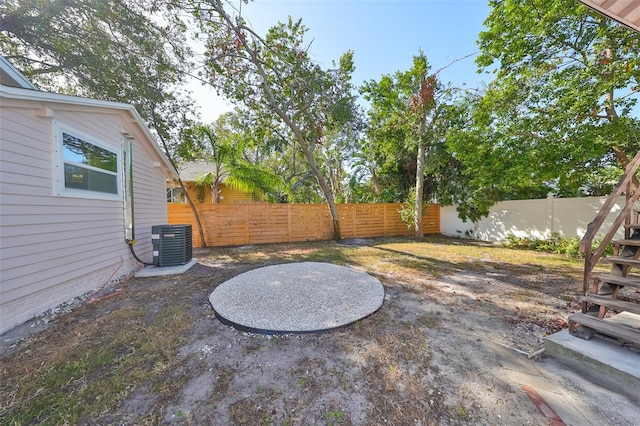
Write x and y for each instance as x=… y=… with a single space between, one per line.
x=624 y=213
x=594 y=226
x=631 y=195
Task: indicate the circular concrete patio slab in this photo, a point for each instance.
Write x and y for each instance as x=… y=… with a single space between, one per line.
x=301 y=297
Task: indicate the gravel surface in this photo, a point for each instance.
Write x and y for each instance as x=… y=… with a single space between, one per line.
x=297 y=297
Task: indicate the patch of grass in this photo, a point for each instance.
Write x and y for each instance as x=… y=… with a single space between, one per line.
x=265 y=419
x=335 y=414
x=402 y=257
x=223 y=383
x=245 y=412
x=462 y=412
x=433 y=257
x=255 y=410
x=430 y=321
x=317 y=251
x=522 y=295
x=437 y=257
x=254 y=347
x=108 y=360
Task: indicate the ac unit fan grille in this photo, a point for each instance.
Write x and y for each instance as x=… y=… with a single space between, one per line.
x=172 y=244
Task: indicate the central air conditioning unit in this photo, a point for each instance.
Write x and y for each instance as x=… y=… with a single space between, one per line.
x=171 y=244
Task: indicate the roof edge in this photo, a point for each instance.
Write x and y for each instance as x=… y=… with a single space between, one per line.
x=605 y=9
x=15 y=74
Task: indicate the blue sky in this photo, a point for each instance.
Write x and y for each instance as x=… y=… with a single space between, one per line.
x=384 y=35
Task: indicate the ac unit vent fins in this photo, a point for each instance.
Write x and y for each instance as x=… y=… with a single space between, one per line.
x=172 y=244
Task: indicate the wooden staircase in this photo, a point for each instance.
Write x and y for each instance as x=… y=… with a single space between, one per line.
x=603 y=311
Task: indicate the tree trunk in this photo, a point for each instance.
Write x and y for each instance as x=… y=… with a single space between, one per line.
x=326 y=190
x=184 y=191
x=302 y=143
x=621 y=156
x=193 y=207
x=288 y=120
x=215 y=193
x=418 y=234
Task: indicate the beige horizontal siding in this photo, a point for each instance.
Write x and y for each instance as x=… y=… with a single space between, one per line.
x=39 y=130
x=55 y=248
x=26 y=156
x=56 y=268
x=104 y=126
x=18 y=245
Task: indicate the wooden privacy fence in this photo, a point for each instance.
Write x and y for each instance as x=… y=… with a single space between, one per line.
x=240 y=224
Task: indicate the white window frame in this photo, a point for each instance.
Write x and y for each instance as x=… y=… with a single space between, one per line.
x=59 y=177
x=175 y=195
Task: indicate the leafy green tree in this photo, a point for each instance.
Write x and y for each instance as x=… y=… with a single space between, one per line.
x=275 y=149
x=384 y=169
x=111 y=50
x=364 y=183
x=223 y=144
x=274 y=78
x=299 y=184
x=560 y=107
x=336 y=154
x=478 y=174
x=406 y=111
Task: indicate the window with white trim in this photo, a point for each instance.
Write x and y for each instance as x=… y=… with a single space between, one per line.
x=86 y=167
x=175 y=195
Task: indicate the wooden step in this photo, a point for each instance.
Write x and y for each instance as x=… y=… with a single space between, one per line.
x=617 y=280
x=619 y=331
x=617 y=304
x=632 y=226
x=635 y=243
x=621 y=260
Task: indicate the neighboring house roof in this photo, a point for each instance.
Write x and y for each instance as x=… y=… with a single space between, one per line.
x=39 y=96
x=624 y=11
x=10 y=76
x=191 y=170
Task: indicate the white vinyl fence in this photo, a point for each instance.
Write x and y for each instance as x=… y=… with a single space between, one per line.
x=536 y=219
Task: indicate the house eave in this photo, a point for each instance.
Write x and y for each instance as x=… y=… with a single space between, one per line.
x=625 y=12
x=36 y=95
x=10 y=74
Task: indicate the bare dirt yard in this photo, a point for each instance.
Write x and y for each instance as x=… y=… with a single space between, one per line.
x=457 y=341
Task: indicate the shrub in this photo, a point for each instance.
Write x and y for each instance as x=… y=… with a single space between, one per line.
x=408 y=209
x=558 y=243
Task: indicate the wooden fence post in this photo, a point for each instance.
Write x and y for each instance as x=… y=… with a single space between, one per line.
x=384 y=215
x=247 y=236
x=289 y=223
